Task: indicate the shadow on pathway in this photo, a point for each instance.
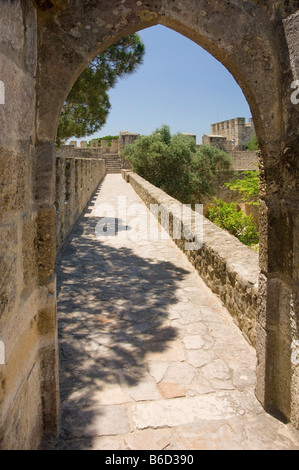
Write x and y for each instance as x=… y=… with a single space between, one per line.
x=112 y=306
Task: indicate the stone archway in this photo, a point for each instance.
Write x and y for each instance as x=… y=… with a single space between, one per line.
x=256 y=42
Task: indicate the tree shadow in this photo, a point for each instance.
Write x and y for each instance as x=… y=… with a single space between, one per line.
x=112 y=312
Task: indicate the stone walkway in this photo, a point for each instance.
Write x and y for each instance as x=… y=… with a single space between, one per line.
x=150 y=358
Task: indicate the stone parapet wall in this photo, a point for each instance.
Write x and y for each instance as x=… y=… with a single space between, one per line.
x=76 y=181
x=79 y=152
x=96 y=149
x=227 y=266
x=244 y=160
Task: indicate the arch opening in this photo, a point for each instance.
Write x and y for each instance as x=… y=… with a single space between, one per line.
x=224 y=58
x=107 y=374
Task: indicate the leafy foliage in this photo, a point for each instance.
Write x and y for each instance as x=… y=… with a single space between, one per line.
x=174 y=164
x=228 y=217
x=252 y=144
x=248 y=186
x=87 y=106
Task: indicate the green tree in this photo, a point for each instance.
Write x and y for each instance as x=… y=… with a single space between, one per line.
x=252 y=144
x=87 y=106
x=209 y=166
x=174 y=164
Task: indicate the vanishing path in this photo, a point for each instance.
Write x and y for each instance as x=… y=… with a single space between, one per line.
x=150 y=358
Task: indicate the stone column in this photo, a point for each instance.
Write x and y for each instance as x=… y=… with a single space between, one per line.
x=278 y=311
x=46 y=253
x=114 y=146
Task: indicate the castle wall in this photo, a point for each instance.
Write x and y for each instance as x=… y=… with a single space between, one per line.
x=76 y=180
x=244 y=160
x=26 y=345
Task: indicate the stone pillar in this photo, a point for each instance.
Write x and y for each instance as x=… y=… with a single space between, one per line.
x=278 y=311
x=60 y=199
x=114 y=146
x=124 y=139
x=46 y=252
x=104 y=146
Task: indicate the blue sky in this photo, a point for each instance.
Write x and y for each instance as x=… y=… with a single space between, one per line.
x=179 y=84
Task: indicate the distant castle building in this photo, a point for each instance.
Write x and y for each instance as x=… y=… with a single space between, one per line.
x=229 y=135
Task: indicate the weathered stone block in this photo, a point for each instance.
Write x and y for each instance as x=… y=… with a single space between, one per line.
x=46 y=242
x=8 y=266
x=14 y=190
x=22 y=428
x=30 y=270
x=18 y=113
x=291 y=25
x=49 y=380
x=45 y=173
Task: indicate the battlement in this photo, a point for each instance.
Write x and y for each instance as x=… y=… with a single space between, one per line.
x=236 y=132
x=117 y=145
x=104 y=146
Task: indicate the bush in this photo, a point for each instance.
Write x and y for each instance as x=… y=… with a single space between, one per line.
x=228 y=217
x=252 y=144
x=248 y=186
x=174 y=164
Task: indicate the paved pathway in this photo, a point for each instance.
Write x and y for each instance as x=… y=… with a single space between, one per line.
x=150 y=358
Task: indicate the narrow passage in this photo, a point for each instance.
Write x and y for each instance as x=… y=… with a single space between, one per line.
x=149 y=357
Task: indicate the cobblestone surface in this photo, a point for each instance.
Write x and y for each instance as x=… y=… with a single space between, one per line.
x=149 y=357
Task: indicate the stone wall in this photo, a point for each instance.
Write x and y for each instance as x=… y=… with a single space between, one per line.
x=244 y=160
x=76 y=180
x=29 y=377
x=227 y=266
x=23 y=300
x=101 y=149
x=216 y=140
x=116 y=147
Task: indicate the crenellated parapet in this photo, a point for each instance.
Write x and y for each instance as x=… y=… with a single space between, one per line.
x=231 y=135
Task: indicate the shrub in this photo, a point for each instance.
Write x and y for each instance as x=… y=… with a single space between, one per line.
x=174 y=164
x=228 y=217
x=252 y=144
x=248 y=186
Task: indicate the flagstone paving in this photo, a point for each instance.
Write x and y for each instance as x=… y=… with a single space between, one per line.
x=149 y=357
